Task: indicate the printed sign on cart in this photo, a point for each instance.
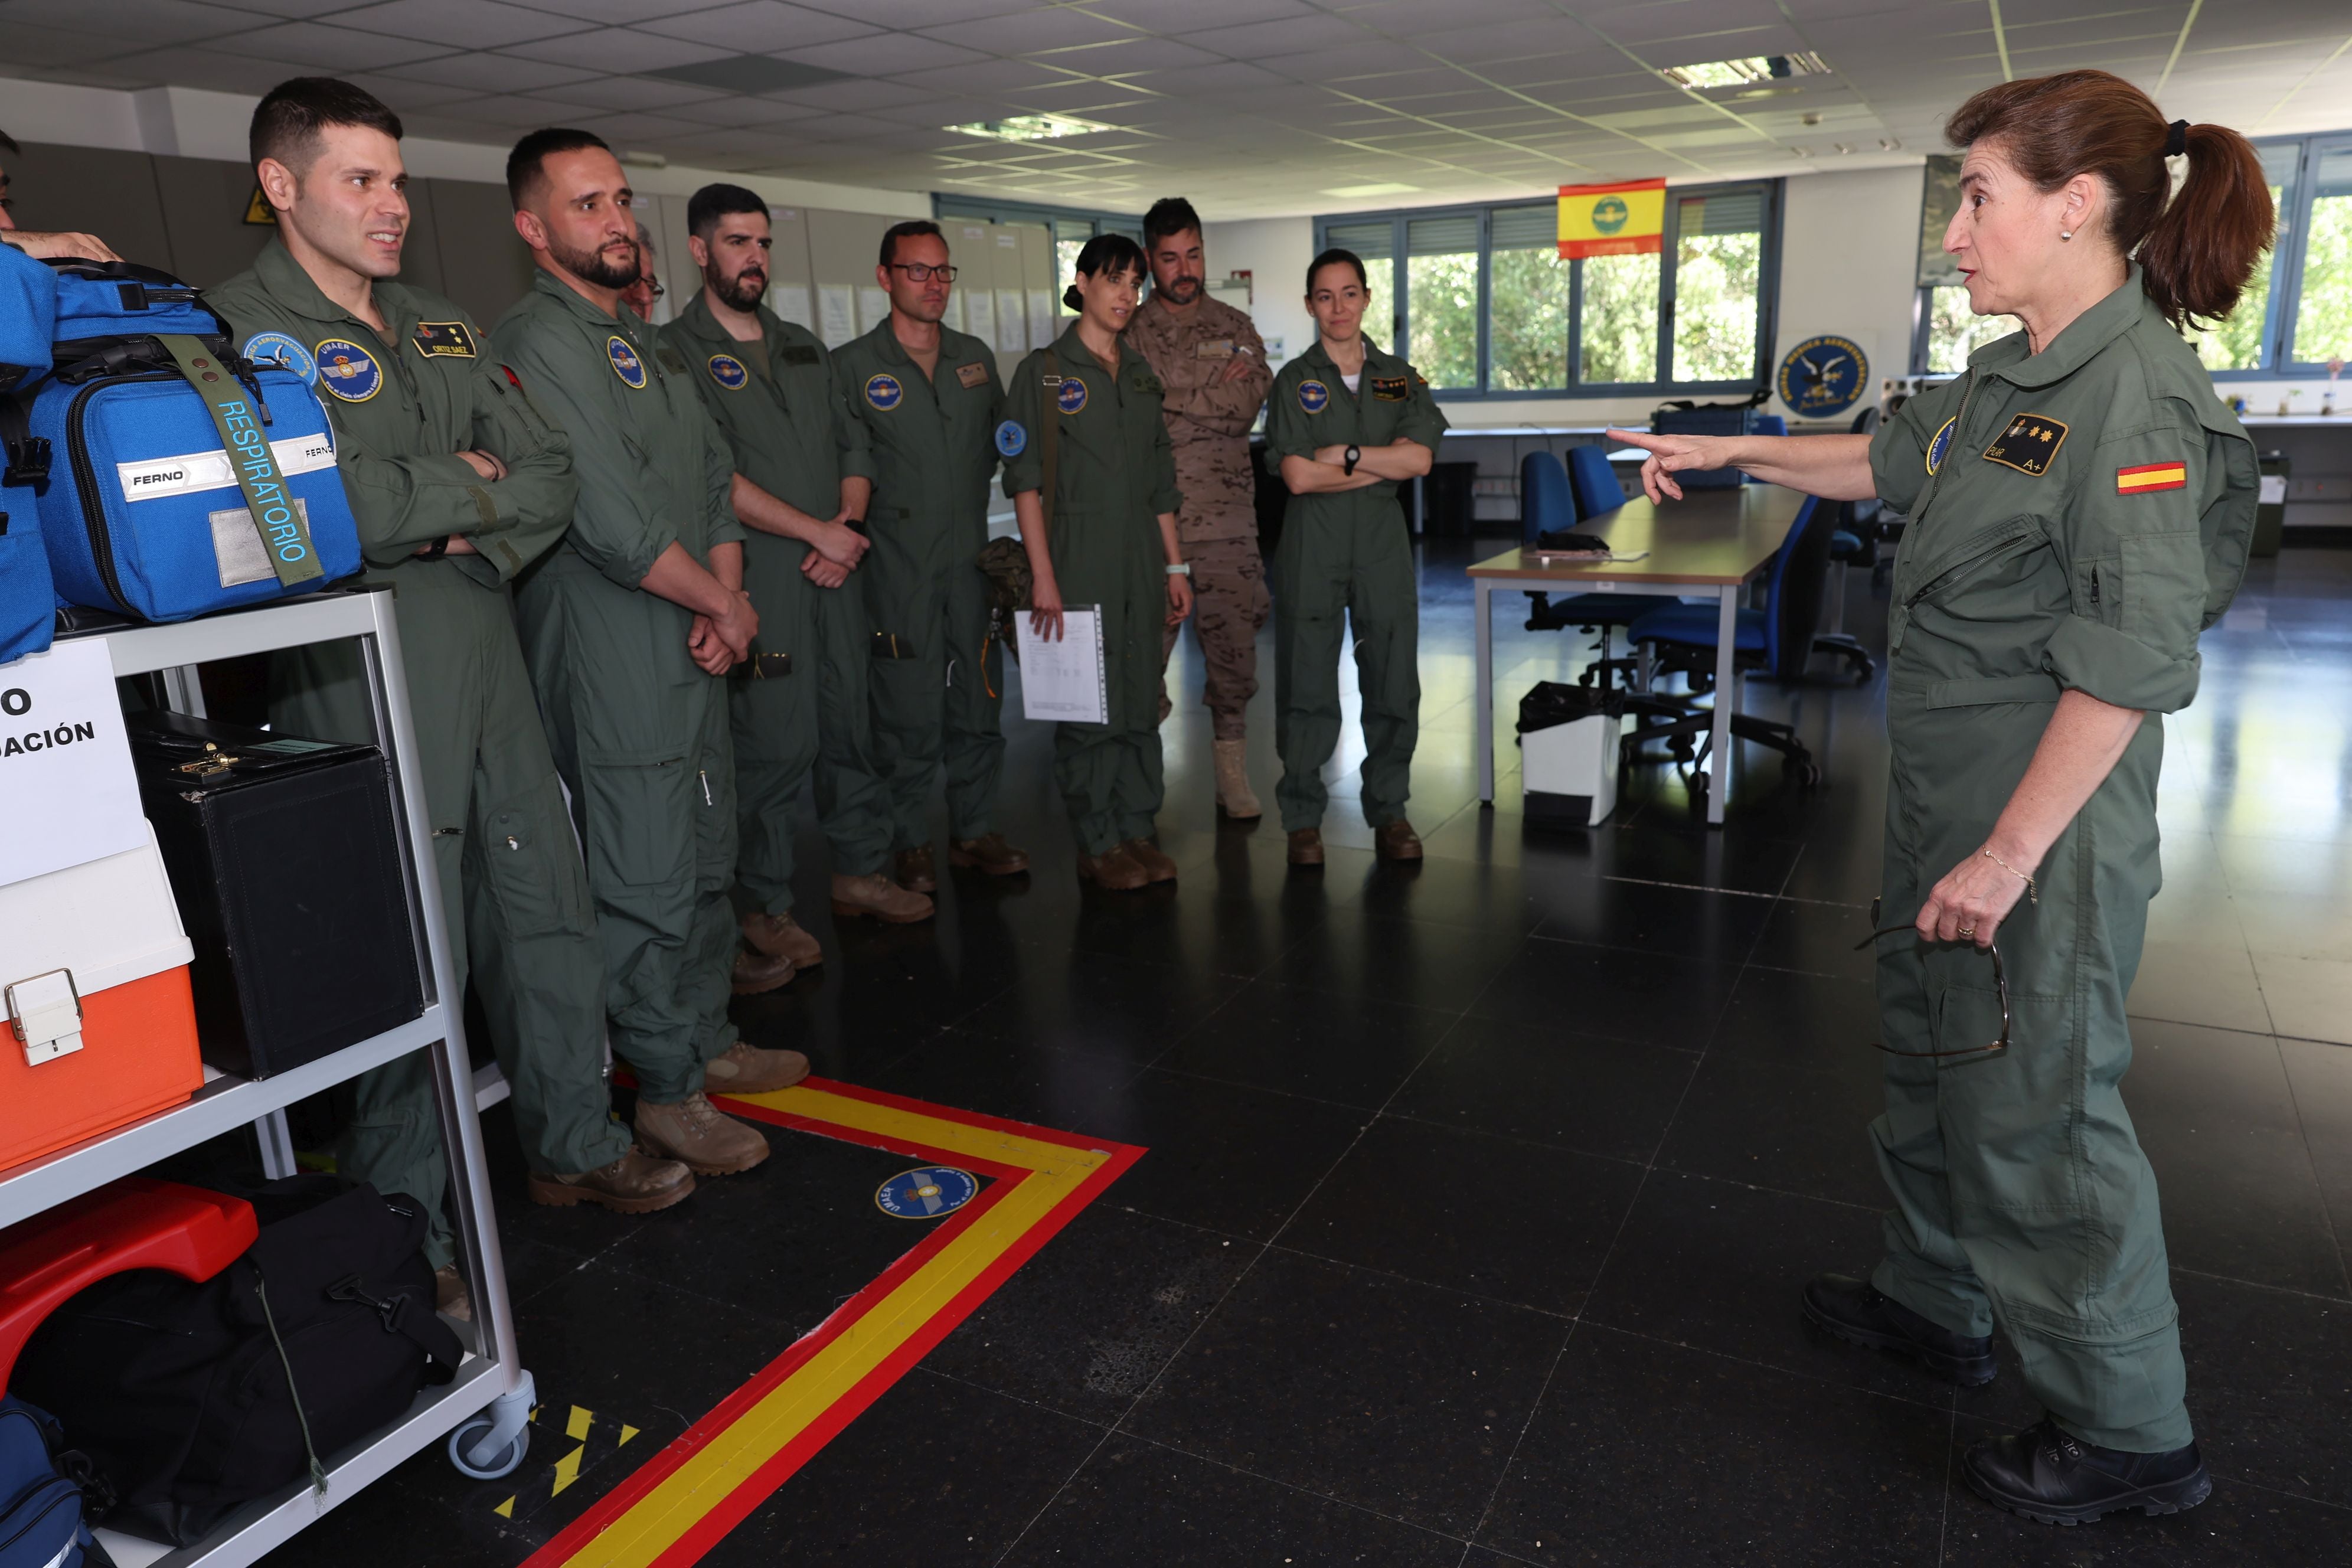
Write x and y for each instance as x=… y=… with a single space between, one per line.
x=65 y=762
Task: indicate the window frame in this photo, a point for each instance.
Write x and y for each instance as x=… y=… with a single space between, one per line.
x=2286 y=263
x=1771 y=194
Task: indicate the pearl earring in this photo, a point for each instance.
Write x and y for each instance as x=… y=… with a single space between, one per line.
x=2066 y=233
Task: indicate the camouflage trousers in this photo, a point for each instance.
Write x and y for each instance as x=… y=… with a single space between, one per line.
x=1229 y=605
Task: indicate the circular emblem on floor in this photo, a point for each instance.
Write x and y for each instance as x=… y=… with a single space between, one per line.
x=926 y=1191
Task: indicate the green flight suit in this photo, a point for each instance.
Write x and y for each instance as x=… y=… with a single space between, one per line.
x=1115 y=473
x=514 y=896
x=2078 y=517
x=933 y=445
x=774 y=402
x=638 y=730
x=1346 y=554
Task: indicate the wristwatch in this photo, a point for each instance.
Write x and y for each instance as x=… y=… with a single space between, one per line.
x=1355 y=456
x=434 y=551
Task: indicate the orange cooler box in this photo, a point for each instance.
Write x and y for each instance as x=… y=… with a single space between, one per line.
x=101 y=1029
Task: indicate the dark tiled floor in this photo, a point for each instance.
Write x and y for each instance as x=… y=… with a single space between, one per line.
x=1479 y=1194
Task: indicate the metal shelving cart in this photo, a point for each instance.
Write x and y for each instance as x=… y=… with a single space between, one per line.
x=483 y=1413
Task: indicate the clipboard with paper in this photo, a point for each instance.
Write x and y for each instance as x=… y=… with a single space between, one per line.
x=1063 y=682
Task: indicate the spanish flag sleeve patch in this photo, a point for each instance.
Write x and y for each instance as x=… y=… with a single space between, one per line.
x=2146 y=476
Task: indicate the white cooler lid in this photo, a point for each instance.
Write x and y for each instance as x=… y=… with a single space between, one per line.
x=110 y=920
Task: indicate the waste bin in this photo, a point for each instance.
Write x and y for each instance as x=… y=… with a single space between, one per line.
x=1568 y=745
x=2270 y=514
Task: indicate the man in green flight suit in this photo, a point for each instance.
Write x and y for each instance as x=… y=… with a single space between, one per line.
x=1346 y=424
x=626 y=627
x=929 y=401
x=800 y=483
x=458 y=484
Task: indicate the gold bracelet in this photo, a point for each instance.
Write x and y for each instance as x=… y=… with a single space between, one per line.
x=2032 y=893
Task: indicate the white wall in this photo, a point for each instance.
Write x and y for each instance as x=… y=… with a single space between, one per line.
x=1274 y=251
x=1849 y=265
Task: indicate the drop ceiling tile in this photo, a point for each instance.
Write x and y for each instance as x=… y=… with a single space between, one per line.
x=616 y=93
x=128 y=24
x=1677 y=48
x=34 y=46
x=744 y=111
x=459 y=24
x=618 y=49
x=496 y=73
x=1010 y=77
x=1222 y=77
x=1197 y=15
x=220 y=71
x=1033 y=31
x=1289 y=36
x=529 y=112
x=405 y=97
x=628 y=131
x=862 y=96
x=616 y=11
x=887 y=54
x=759 y=26
x=319 y=46
x=918 y=12
x=1414 y=18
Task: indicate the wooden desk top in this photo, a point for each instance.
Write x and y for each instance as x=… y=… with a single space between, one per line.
x=1708 y=538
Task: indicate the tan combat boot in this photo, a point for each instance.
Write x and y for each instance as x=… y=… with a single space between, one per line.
x=1307 y=847
x=988 y=853
x=746 y=1069
x=879 y=897
x=916 y=871
x=756 y=973
x=1234 y=797
x=1396 y=840
x=694 y=1131
x=1114 y=870
x=449 y=1296
x=780 y=936
x=1156 y=866
x=637 y=1182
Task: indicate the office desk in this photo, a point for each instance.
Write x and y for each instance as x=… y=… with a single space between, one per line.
x=1711 y=541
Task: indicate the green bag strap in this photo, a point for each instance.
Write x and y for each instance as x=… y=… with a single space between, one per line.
x=1048 y=421
x=284 y=533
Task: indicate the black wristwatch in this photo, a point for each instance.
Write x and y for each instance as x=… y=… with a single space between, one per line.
x=1355 y=456
x=434 y=551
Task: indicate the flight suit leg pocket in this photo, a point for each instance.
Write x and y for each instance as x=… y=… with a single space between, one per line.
x=533 y=867
x=2008 y=1119
x=641 y=817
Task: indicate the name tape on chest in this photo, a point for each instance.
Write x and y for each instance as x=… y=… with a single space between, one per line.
x=971 y=375
x=1314 y=397
x=800 y=353
x=626 y=362
x=450 y=339
x=348 y=370
x=2029 y=444
x=1214 y=347
x=2147 y=477
x=670 y=360
x=1392 y=389
x=148 y=477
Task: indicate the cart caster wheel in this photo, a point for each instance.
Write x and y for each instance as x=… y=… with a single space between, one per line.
x=504 y=1464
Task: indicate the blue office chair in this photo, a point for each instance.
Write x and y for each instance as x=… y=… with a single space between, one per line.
x=1554 y=497
x=1775 y=641
x=1855 y=543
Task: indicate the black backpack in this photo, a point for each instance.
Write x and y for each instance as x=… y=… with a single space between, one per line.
x=178 y=1392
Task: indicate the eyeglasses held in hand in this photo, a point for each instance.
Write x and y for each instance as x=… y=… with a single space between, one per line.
x=2000 y=980
x=917 y=272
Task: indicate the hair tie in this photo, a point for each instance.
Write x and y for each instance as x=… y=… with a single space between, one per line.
x=2176 y=140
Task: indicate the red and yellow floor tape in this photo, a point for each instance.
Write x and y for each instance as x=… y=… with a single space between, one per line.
x=684 y=1499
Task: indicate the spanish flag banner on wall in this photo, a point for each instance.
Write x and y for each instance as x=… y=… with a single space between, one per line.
x=1628 y=218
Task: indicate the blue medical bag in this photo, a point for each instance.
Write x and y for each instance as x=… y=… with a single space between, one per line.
x=29 y=312
x=144 y=508
x=41 y=1521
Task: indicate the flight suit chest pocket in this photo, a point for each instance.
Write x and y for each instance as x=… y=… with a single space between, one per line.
x=531 y=869
x=640 y=815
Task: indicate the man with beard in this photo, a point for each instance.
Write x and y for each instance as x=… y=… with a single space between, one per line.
x=628 y=626
x=1212 y=363
x=802 y=480
x=929 y=401
x=458 y=485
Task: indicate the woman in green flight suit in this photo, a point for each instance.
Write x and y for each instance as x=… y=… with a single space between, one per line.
x=1104 y=537
x=2081 y=504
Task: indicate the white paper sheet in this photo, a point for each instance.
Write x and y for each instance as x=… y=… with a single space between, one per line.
x=66 y=782
x=836 y=305
x=953 y=319
x=1062 y=682
x=979 y=308
x=1012 y=330
x=790 y=301
x=873 y=307
x=1041 y=318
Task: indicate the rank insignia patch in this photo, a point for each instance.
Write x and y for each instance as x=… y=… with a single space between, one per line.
x=727 y=372
x=971 y=376
x=2029 y=444
x=626 y=362
x=1390 y=389
x=445 y=337
x=1314 y=397
x=2148 y=477
x=349 y=371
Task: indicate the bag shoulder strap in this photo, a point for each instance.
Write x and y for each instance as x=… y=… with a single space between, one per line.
x=1049 y=422
x=277 y=517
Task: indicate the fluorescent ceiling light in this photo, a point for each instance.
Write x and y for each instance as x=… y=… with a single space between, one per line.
x=1388 y=188
x=1029 y=128
x=1741 y=72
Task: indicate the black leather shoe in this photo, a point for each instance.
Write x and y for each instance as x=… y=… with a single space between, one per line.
x=1855 y=1311
x=2045 y=1475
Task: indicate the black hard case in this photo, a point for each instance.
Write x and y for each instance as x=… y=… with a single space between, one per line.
x=285 y=864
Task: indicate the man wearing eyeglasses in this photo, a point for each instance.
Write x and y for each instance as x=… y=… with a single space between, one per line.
x=929 y=400
x=803 y=478
x=643 y=295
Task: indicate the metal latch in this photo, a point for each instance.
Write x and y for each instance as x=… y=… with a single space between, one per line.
x=45 y=1014
x=211 y=765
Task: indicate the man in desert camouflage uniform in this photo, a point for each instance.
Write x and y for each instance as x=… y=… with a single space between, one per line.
x=1213 y=363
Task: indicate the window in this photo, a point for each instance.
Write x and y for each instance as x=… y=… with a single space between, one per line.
x=1489 y=309
x=2296 y=311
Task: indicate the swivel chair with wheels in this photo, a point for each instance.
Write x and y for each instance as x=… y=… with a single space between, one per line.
x=1554 y=499
x=1775 y=641
x=1853 y=544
